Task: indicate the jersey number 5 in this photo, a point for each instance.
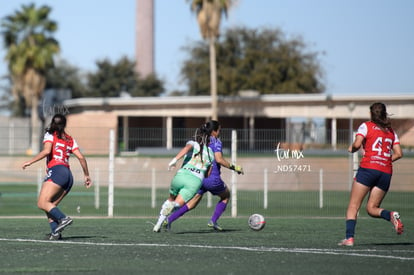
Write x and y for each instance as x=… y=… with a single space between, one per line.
x=59 y=150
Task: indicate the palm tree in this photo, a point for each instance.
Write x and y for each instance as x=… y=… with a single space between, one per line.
x=30 y=49
x=209 y=14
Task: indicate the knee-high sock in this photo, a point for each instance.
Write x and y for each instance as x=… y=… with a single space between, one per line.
x=350 y=228
x=220 y=208
x=52 y=222
x=56 y=214
x=175 y=215
x=53 y=226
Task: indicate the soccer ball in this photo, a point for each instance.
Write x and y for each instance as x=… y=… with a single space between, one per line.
x=256 y=222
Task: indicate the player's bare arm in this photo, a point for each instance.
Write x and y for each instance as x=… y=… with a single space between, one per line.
x=356 y=144
x=47 y=148
x=218 y=156
x=180 y=154
x=84 y=165
x=396 y=152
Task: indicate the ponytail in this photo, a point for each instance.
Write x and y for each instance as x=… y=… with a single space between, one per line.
x=379 y=115
x=202 y=137
x=57 y=125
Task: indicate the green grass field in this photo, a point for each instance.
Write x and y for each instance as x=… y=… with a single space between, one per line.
x=20 y=199
x=299 y=237
x=128 y=246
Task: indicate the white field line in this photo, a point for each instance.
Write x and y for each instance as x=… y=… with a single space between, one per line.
x=373 y=253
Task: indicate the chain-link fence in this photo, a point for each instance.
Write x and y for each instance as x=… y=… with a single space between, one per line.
x=311 y=173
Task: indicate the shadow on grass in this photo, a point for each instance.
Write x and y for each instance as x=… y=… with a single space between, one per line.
x=206 y=231
x=392 y=244
x=388 y=244
x=67 y=238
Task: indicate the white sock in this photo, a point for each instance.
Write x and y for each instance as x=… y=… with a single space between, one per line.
x=164 y=206
x=161 y=219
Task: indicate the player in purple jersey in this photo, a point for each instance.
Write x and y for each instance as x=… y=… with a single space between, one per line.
x=214 y=183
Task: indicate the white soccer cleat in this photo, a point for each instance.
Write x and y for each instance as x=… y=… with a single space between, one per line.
x=157 y=226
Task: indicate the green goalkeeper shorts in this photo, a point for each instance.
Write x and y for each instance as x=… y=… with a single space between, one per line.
x=185 y=184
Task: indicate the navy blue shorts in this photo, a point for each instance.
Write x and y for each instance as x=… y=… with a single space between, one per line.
x=214 y=185
x=61 y=175
x=372 y=177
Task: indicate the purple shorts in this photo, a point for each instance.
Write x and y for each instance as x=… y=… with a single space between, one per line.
x=214 y=185
x=61 y=175
x=372 y=177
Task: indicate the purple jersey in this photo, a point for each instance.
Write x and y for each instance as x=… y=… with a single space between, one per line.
x=214 y=183
x=215 y=145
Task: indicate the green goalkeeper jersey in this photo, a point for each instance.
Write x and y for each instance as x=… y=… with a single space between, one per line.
x=199 y=163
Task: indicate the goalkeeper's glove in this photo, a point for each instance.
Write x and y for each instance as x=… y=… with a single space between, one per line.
x=172 y=164
x=237 y=168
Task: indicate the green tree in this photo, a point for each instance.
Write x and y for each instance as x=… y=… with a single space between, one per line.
x=110 y=80
x=28 y=38
x=67 y=77
x=209 y=14
x=149 y=86
x=262 y=60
